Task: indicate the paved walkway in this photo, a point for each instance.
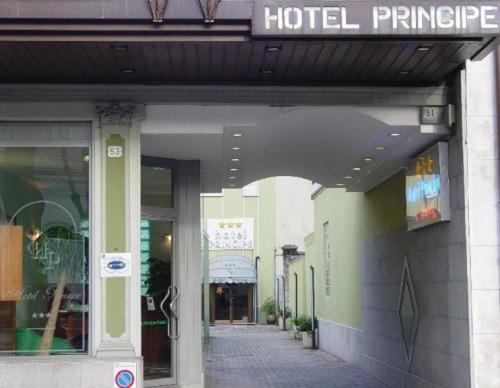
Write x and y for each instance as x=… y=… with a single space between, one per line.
x=263 y=356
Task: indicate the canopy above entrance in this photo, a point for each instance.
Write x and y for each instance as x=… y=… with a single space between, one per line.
x=263 y=42
x=232 y=269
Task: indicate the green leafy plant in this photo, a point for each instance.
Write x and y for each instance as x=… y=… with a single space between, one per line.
x=302 y=323
x=288 y=313
x=158 y=278
x=269 y=306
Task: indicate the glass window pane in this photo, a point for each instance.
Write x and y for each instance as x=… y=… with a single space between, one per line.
x=44 y=229
x=156 y=186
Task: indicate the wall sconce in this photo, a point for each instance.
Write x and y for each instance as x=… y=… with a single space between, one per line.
x=167 y=237
x=33 y=235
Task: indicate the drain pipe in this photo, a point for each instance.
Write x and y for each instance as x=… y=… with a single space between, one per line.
x=313 y=309
x=284 y=302
x=277 y=303
x=256 y=299
x=296 y=295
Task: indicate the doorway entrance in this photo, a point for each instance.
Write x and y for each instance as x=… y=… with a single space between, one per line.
x=232 y=303
x=159 y=326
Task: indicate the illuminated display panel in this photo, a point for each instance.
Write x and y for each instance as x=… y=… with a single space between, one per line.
x=428 y=188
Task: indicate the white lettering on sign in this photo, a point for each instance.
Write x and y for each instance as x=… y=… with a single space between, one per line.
x=395 y=18
x=115 y=151
x=295 y=18
x=445 y=17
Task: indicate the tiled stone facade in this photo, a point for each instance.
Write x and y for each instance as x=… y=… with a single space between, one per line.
x=483 y=184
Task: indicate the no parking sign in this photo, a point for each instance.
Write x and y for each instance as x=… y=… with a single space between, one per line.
x=124 y=375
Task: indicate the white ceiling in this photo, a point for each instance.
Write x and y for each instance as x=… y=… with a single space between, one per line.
x=322 y=144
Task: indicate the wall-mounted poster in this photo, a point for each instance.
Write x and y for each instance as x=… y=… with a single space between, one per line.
x=234 y=233
x=428 y=188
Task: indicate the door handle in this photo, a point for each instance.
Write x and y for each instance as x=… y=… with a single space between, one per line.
x=162 y=304
x=173 y=311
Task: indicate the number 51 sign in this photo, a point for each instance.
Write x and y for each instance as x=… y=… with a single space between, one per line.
x=438 y=115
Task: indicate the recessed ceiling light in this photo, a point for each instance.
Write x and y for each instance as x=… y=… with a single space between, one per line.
x=348 y=177
x=394 y=134
x=423 y=48
x=356 y=169
x=267 y=71
x=235 y=160
x=119 y=47
x=231 y=185
x=233 y=169
x=404 y=72
x=273 y=49
x=232 y=177
x=236 y=148
x=128 y=71
x=237 y=134
x=368 y=159
x=340 y=184
x=380 y=148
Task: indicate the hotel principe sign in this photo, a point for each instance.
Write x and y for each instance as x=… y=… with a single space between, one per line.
x=327 y=18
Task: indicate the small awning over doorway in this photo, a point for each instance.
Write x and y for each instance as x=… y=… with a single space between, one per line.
x=232 y=269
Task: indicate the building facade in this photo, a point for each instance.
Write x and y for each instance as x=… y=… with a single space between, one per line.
x=279 y=212
x=115 y=115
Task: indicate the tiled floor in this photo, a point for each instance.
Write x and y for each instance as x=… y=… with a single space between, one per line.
x=263 y=356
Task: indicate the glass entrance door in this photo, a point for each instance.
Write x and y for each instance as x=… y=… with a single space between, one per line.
x=158 y=290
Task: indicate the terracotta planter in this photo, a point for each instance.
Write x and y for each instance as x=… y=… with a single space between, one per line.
x=271 y=319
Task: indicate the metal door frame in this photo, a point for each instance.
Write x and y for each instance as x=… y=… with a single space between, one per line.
x=171 y=215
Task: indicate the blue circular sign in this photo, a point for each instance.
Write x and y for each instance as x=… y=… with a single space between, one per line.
x=116 y=264
x=124 y=379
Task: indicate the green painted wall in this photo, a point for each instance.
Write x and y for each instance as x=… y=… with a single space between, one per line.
x=263 y=210
x=115 y=236
x=353 y=218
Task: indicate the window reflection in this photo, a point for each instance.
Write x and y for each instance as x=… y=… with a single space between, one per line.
x=44 y=213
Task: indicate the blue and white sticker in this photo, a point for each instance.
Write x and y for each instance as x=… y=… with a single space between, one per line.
x=114 y=265
x=124 y=375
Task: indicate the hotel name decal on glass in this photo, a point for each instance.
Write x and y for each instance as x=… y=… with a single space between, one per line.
x=234 y=233
x=381 y=17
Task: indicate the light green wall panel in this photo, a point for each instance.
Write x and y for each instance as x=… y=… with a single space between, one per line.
x=267 y=244
x=353 y=219
x=115 y=236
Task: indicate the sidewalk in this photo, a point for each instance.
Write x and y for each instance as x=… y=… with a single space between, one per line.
x=263 y=356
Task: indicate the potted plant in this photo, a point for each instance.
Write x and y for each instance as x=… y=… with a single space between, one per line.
x=283 y=317
x=269 y=308
x=304 y=326
x=298 y=323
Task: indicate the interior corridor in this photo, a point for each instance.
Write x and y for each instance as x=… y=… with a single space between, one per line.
x=263 y=356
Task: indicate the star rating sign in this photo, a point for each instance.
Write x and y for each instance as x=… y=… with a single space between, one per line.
x=425 y=165
x=40 y=315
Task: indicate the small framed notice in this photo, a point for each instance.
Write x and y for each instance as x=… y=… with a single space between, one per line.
x=151 y=303
x=116 y=265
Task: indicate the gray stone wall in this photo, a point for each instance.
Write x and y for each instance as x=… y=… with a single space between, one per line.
x=55 y=372
x=437 y=259
x=483 y=212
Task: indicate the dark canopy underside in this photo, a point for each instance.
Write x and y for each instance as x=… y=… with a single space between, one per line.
x=248 y=62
